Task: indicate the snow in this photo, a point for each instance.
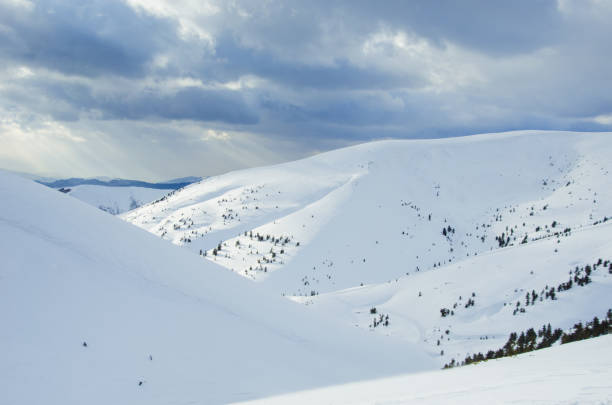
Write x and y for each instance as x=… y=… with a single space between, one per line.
x=361 y=218
x=361 y=214
x=574 y=373
x=73 y=274
x=498 y=280
x=116 y=200
x=308 y=250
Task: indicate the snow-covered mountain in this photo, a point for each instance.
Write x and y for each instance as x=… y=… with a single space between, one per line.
x=115 y=200
x=389 y=236
x=363 y=263
x=173 y=184
x=116 y=196
x=96 y=311
x=377 y=211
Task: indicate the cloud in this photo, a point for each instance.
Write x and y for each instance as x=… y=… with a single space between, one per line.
x=293 y=76
x=190 y=103
x=339 y=74
x=85 y=39
x=603 y=119
x=496 y=28
x=69 y=99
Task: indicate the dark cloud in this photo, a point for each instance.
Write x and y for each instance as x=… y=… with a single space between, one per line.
x=340 y=75
x=187 y=103
x=83 y=38
x=494 y=27
x=310 y=74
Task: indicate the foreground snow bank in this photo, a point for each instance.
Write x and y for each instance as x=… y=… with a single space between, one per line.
x=578 y=372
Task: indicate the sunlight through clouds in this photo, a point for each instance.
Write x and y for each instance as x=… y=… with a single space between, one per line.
x=297 y=77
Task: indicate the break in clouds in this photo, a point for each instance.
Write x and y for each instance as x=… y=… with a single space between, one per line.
x=156 y=89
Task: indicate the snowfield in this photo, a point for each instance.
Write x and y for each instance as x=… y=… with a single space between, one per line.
x=376 y=211
x=96 y=311
x=386 y=235
x=495 y=282
x=577 y=373
x=351 y=270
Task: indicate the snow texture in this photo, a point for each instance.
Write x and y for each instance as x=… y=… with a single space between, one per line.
x=368 y=262
x=577 y=373
x=410 y=228
x=160 y=326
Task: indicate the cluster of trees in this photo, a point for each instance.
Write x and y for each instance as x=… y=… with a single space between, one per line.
x=229 y=215
x=267 y=258
x=566 y=232
x=581 y=277
x=601 y=221
x=502 y=240
x=187 y=222
x=216 y=250
x=530 y=340
x=164 y=198
x=276 y=241
x=282 y=240
x=381 y=320
x=591 y=329
x=444 y=312
x=447 y=231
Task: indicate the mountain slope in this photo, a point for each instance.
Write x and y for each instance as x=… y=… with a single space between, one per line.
x=577 y=373
x=486 y=297
x=374 y=212
x=94 y=310
x=174 y=184
x=114 y=196
x=115 y=200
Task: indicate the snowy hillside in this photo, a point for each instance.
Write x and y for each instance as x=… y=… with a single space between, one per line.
x=473 y=305
x=377 y=211
x=448 y=244
x=115 y=200
x=114 y=196
x=579 y=373
x=96 y=311
x=393 y=257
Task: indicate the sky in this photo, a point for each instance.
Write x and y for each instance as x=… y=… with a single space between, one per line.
x=158 y=89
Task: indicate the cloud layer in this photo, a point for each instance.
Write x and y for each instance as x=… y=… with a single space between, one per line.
x=144 y=88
